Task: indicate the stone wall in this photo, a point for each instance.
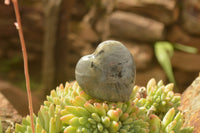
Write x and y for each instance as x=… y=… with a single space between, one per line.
x=136 y=23
x=140 y=23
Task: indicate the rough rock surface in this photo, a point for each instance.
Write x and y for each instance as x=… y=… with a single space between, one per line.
x=191 y=105
x=8 y=114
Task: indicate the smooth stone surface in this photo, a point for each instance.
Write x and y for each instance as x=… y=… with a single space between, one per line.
x=107 y=74
x=131 y=26
x=163 y=11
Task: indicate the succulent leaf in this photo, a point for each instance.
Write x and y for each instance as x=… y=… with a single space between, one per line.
x=161 y=97
x=70 y=110
x=172 y=123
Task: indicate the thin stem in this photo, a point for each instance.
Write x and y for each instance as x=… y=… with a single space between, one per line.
x=19 y=27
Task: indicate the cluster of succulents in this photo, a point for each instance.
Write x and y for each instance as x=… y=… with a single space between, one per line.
x=85 y=114
x=48 y=121
x=158 y=97
x=70 y=110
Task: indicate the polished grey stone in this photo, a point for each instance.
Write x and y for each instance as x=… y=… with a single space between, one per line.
x=107 y=74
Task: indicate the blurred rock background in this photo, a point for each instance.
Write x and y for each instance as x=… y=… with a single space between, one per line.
x=79 y=26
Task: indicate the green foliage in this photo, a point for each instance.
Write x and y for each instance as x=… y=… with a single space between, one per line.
x=184 y=48
x=48 y=121
x=151 y=109
x=1 y=130
x=164 y=51
x=108 y=117
x=160 y=98
x=171 y=123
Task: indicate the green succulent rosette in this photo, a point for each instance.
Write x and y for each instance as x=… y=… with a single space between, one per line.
x=84 y=114
x=159 y=98
x=48 y=121
x=70 y=110
x=171 y=123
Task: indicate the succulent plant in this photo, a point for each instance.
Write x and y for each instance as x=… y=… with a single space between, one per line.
x=108 y=102
x=48 y=121
x=85 y=114
x=70 y=110
x=171 y=123
x=159 y=98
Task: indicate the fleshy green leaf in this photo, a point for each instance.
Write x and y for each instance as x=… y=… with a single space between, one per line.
x=164 y=51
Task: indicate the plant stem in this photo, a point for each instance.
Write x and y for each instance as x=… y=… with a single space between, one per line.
x=19 y=27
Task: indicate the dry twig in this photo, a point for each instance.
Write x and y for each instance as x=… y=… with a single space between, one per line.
x=25 y=58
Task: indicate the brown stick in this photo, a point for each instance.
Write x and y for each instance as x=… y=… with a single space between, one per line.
x=20 y=31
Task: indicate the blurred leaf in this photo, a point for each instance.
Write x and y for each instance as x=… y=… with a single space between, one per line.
x=164 y=51
x=1 y=130
x=185 y=48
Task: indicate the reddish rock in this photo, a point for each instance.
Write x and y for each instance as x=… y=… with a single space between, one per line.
x=190 y=105
x=132 y=26
x=8 y=114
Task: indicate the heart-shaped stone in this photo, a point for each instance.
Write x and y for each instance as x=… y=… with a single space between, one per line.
x=107 y=74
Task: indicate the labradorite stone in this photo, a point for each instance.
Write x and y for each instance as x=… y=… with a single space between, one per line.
x=107 y=74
